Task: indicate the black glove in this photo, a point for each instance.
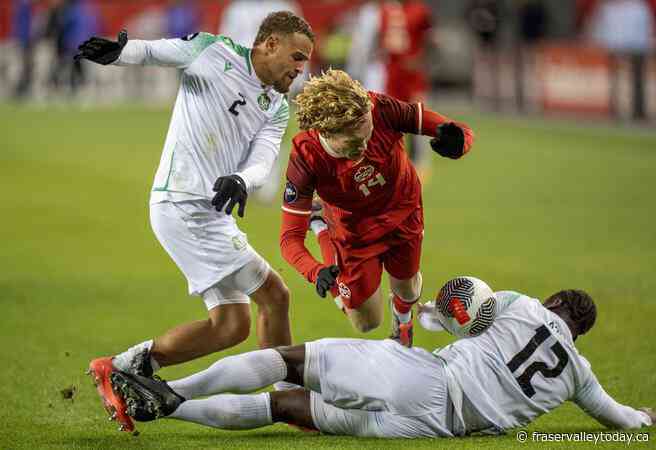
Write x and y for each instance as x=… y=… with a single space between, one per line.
x=102 y=51
x=326 y=279
x=450 y=141
x=230 y=189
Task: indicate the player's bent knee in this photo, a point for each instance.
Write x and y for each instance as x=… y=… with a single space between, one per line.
x=408 y=290
x=229 y=329
x=365 y=325
x=273 y=295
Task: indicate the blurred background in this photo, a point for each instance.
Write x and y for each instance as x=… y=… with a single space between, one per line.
x=561 y=95
x=586 y=57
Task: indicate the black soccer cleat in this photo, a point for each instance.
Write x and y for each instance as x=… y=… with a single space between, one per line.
x=141 y=365
x=146 y=398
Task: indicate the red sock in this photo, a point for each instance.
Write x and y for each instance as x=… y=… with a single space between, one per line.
x=402 y=306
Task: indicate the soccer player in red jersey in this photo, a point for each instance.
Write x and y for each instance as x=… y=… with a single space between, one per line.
x=351 y=154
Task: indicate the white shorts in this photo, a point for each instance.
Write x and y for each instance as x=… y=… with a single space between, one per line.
x=377 y=388
x=210 y=250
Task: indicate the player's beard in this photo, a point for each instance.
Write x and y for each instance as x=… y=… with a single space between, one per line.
x=279 y=86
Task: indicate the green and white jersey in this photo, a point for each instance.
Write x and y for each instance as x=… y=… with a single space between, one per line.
x=224 y=121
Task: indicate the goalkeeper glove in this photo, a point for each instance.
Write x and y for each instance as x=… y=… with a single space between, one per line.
x=230 y=190
x=326 y=279
x=102 y=51
x=450 y=141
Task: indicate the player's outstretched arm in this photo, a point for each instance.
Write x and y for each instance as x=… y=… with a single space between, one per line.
x=177 y=53
x=102 y=51
x=598 y=404
x=451 y=139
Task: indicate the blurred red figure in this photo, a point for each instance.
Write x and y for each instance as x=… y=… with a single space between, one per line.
x=404 y=34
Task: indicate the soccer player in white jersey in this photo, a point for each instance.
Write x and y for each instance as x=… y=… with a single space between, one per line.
x=224 y=136
x=524 y=365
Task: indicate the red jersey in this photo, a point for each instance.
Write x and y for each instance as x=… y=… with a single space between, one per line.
x=363 y=200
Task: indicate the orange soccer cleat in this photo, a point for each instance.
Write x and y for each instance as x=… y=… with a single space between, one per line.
x=100 y=370
x=401 y=331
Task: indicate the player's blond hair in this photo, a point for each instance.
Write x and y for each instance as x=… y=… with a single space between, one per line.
x=332 y=103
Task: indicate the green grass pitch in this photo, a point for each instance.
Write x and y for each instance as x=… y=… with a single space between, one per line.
x=535 y=207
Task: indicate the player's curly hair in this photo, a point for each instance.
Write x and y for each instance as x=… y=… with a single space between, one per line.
x=283 y=22
x=332 y=103
x=582 y=309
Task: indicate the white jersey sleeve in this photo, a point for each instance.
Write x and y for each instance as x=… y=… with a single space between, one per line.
x=225 y=119
x=179 y=53
x=265 y=149
x=592 y=398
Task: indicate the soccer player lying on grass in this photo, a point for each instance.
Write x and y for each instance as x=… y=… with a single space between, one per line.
x=224 y=136
x=351 y=154
x=523 y=365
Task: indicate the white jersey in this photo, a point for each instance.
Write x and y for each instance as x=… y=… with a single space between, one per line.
x=225 y=120
x=523 y=366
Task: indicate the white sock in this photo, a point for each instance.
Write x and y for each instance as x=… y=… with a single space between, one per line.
x=239 y=374
x=317 y=226
x=125 y=361
x=226 y=411
x=403 y=317
x=406 y=317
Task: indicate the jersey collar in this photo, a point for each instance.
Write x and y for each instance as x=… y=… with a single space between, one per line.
x=326 y=146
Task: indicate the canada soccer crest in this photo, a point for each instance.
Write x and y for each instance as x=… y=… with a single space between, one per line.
x=264 y=101
x=363 y=173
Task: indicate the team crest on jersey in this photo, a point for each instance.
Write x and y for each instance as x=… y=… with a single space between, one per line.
x=344 y=291
x=291 y=193
x=264 y=101
x=363 y=173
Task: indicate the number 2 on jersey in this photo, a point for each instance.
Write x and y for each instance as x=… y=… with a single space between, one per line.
x=524 y=380
x=233 y=108
x=377 y=180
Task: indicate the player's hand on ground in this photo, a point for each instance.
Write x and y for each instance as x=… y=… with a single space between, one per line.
x=326 y=279
x=102 y=51
x=450 y=141
x=230 y=190
x=650 y=412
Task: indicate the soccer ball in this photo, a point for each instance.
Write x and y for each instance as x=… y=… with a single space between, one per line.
x=466 y=306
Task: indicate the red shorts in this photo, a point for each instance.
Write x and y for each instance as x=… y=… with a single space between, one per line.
x=361 y=268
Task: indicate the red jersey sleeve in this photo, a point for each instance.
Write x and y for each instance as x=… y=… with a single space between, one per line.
x=296 y=210
x=396 y=114
x=415 y=118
